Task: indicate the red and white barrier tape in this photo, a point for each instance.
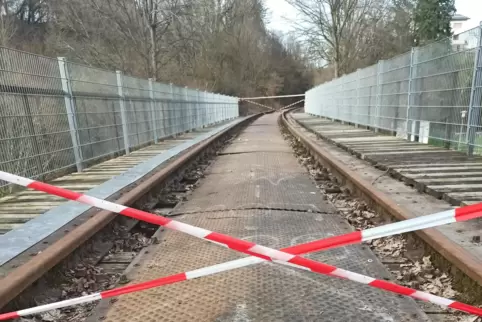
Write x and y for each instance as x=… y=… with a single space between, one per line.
x=322 y=244
x=262 y=252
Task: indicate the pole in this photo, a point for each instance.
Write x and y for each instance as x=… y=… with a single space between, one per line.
x=378 y=97
x=122 y=107
x=475 y=103
x=187 y=109
x=69 y=107
x=357 y=106
x=408 y=124
x=153 y=109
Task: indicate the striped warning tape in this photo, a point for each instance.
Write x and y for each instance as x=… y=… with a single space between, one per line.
x=262 y=252
x=322 y=244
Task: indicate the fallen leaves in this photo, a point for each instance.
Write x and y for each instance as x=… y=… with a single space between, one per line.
x=421 y=275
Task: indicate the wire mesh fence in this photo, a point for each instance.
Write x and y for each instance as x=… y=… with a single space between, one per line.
x=58 y=116
x=432 y=94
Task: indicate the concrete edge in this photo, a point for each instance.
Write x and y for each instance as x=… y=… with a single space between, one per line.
x=34 y=231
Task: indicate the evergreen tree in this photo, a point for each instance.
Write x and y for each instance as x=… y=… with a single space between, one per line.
x=432 y=20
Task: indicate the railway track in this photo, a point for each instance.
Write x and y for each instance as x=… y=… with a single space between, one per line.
x=394 y=198
x=89 y=242
x=253 y=176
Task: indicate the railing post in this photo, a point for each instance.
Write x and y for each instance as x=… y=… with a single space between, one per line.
x=187 y=108
x=209 y=107
x=408 y=122
x=378 y=97
x=125 y=130
x=153 y=110
x=357 y=97
x=334 y=101
x=173 y=109
x=69 y=106
x=205 y=108
x=474 y=117
x=341 y=102
x=198 y=110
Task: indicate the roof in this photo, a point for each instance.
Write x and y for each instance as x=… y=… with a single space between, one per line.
x=457 y=17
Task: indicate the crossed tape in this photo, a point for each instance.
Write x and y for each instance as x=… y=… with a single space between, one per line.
x=288 y=256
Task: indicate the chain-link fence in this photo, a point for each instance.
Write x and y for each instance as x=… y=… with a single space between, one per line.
x=432 y=94
x=58 y=116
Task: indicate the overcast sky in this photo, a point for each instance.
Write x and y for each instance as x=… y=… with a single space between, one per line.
x=279 y=10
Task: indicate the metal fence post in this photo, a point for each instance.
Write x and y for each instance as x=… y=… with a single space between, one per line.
x=209 y=112
x=198 y=110
x=378 y=97
x=205 y=111
x=69 y=106
x=122 y=107
x=357 y=97
x=408 y=122
x=173 y=122
x=333 y=103
x=475 y=103
x=153 y=109
x=187 y=113
x=341 y=102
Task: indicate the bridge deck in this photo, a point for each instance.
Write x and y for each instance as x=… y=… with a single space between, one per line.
x=257 y=191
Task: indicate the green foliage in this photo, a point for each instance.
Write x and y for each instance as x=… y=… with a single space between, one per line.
x=432 y=20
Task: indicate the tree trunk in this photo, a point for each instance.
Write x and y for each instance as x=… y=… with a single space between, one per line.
x=3 y=30
x=336 y=68
x=152 y=53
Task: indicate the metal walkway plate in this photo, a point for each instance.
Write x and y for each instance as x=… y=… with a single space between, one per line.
x=266 y=292
x=260 y=179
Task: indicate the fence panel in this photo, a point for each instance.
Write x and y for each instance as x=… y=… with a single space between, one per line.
x=441 y=86
x=474 y=134
x=161 y=96
x=368 y=95
x=394 y=81
x=97 y=112
x=138 y=111
x=34 y=129
x=57 y=115
x=432 y=94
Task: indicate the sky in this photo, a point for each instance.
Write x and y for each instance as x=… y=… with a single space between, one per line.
x=279 y=11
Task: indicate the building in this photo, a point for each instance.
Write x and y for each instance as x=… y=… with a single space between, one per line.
x=457 y=23
x=462 y=39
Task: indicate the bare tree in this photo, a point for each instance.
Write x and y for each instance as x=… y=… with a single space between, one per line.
x=157 y=16
x=30 y=11
x=216 y=45
x=126 y=34
x=329 y=27
x=7 y=23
